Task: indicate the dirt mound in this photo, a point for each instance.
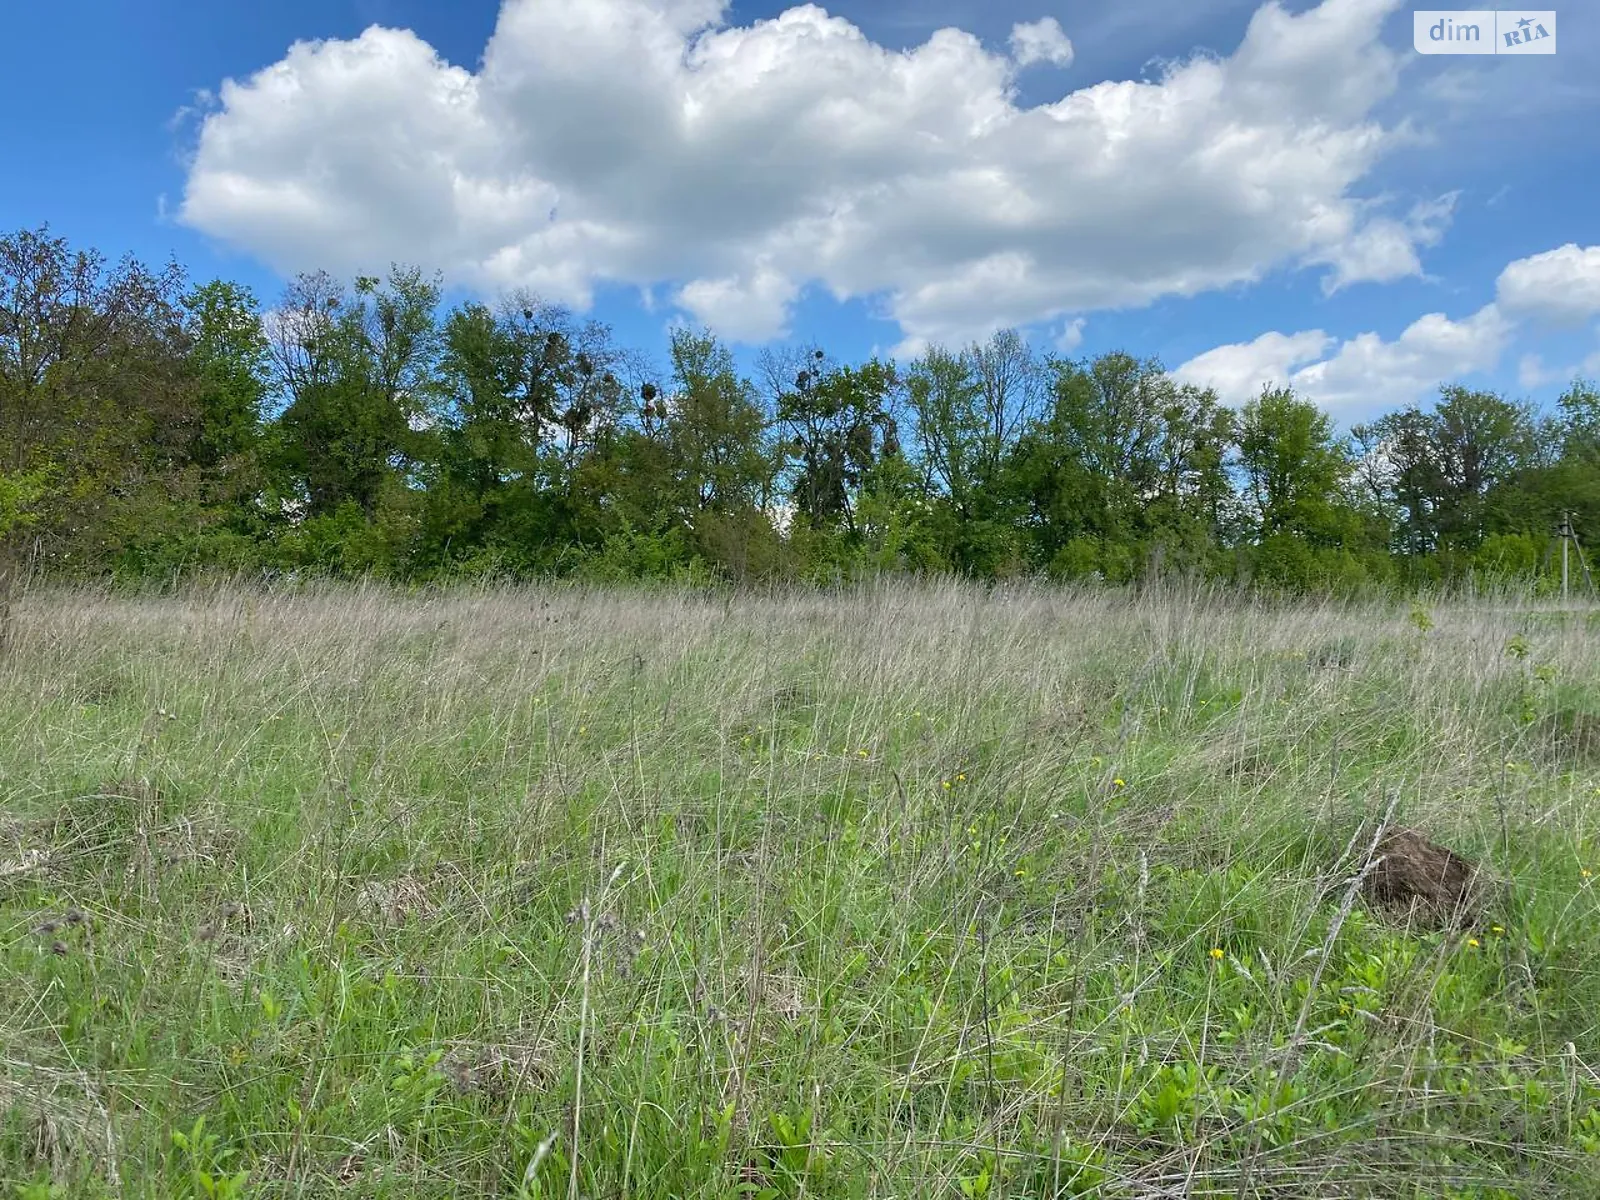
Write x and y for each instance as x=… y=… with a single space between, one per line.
x=1422 y=880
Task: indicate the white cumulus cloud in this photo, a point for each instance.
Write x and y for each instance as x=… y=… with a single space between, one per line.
x=1532 y=372
x=1041 y=41
x=1560 y=286
x=750 y=307
x=1361 y=375
x=1239 y=371
x=650 y=143
x=1365 y=373
x=1385 y=249
x=1369 y=374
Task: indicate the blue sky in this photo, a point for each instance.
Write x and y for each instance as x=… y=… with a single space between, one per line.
x=1248 y=195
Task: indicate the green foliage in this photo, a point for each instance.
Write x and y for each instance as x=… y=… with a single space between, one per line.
x=357 y=373
x=1421 y=619
x=152 y=427
x=835 y=427
x=19 y=493
x=229 y=355
x=628 y=554
x=1295 y=469
x=204 y=1159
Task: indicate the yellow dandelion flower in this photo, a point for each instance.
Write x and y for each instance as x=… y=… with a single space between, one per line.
x=862 y=753
x=945 y=783
x=961 y=778
x=1118 y=783
x=1588 y=874
x=1472 y=943
x=1497 y=929
x=1216 y=954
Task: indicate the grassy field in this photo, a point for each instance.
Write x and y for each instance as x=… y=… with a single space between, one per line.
x=914 y=891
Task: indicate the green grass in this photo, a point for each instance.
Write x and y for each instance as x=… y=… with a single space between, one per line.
x=913 y=891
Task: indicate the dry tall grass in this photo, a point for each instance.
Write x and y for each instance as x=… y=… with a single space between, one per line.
x=910 y=890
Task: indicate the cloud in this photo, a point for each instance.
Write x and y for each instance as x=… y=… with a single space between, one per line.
x=1238 y=372
x=1364 y=374
x=749 y=308
x=1558 y=287
x=1070 y=336
x=651 y=144
x=1368 y=374
x=1385 y=249
x=1041 y=41
x=1490 y=95
x=1531 y=371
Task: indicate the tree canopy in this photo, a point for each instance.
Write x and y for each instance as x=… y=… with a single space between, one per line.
x=152 y=425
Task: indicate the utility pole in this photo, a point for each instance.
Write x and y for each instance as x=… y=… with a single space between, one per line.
x=1566 y=535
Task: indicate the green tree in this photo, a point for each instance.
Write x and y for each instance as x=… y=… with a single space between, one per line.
x=1295 y=469
x=1195 y=510
x=530 y=416
x=1483 y=442
x=836 y=422
x=1307 y=531
x=1579 y=423
x=969 y=410
x=1400 y=477
x=716 y=429
x=1124 y=465
x=96 y=395
x=943 y=395
x=1434 y=472
x=1559 y=479
x=497 y=382
x=358 y=371
x=228 y=354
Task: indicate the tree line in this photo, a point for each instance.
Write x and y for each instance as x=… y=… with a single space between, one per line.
x=153 y=426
